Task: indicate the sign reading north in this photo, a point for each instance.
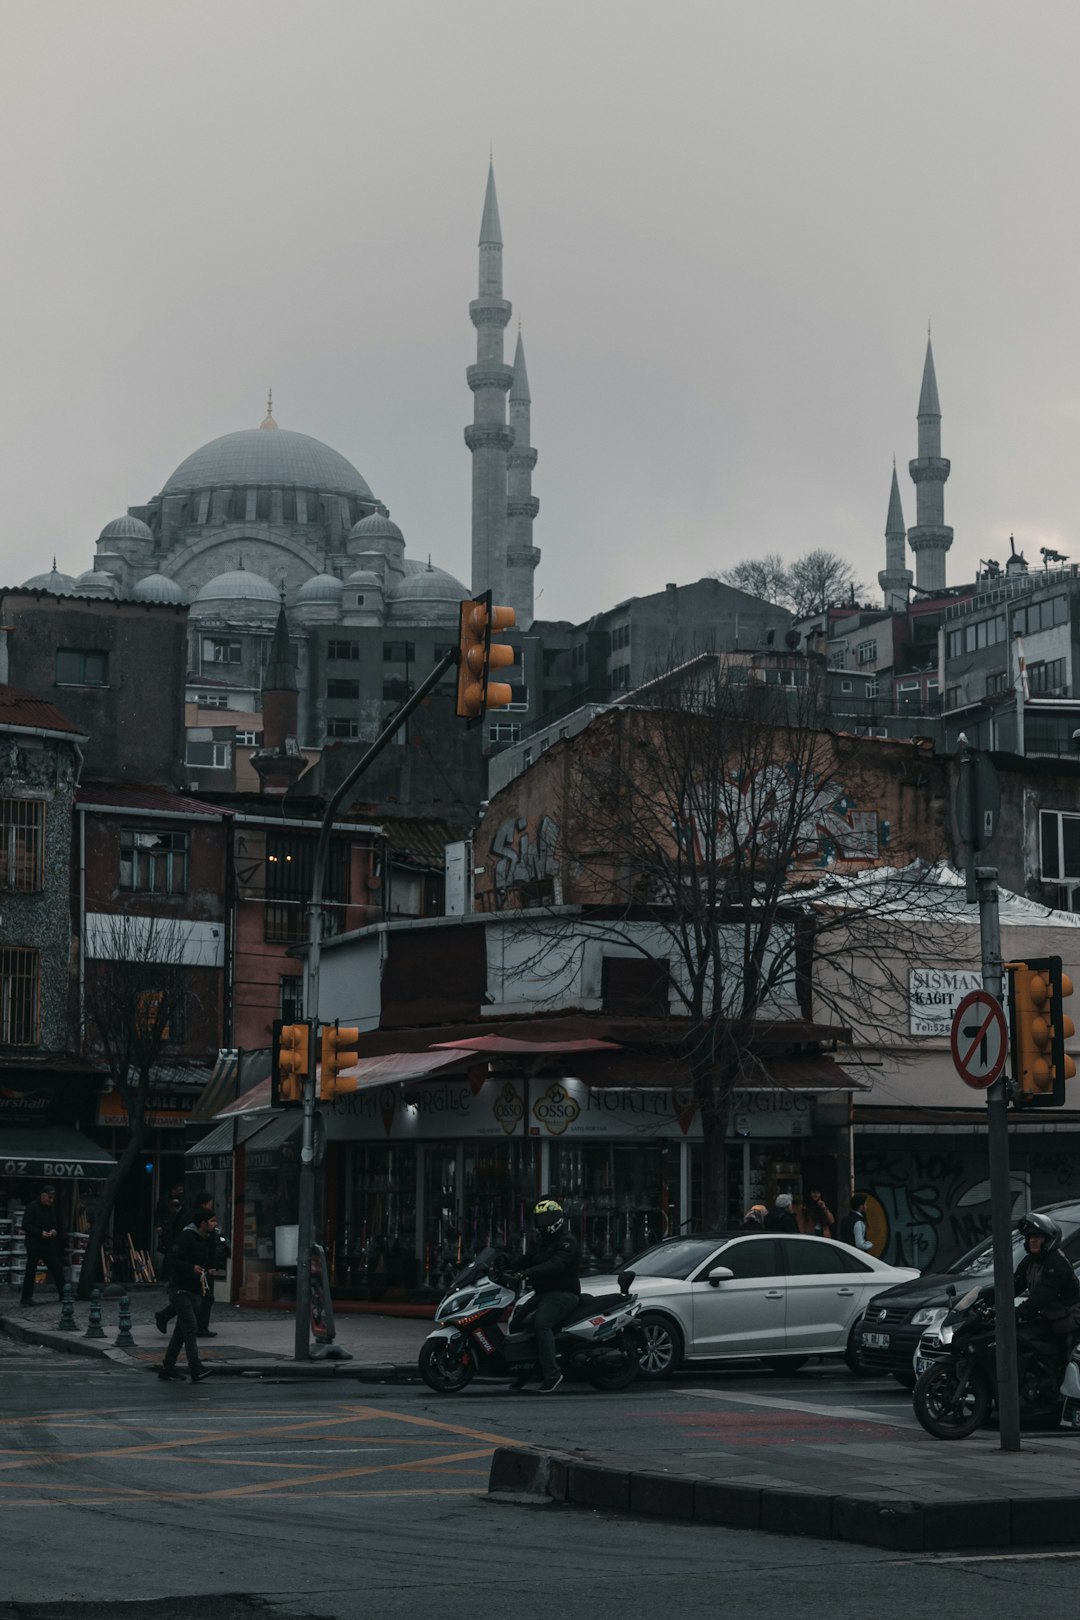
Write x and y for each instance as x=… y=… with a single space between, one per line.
x=979 y=1039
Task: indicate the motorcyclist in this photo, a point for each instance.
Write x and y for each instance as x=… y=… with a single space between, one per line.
x=1050 y=1315
x=552 y=1265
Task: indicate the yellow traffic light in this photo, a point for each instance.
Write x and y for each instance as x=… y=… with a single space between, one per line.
x=291 y=1062
x=338 y=1052
x=476 y=693
x=1040 y=1028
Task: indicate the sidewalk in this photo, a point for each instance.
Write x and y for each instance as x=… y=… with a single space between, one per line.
x=910 y=1494
x=247 y=1341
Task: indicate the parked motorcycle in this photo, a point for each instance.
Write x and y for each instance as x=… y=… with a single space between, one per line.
x=956 y=1389
x=598 y=1340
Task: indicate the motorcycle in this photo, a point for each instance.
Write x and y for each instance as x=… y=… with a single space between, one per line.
x=598 y=1340
x=956 y=1389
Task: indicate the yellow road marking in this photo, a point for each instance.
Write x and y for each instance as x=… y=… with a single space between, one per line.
x=433 y=1423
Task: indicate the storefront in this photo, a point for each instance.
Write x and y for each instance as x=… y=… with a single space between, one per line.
x=415 y=1177
x=32 y=1157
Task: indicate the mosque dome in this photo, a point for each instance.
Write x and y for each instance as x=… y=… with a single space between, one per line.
x=322 y=588
x=431 y=596
x=366 y=579
x=126 y=528
x=95 y=582
x=376 y=526
x=255 y=456
x=241 y=585
x=157 y=588
x=59 y=584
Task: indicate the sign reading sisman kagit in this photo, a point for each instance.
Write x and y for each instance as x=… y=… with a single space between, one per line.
x=934 y=995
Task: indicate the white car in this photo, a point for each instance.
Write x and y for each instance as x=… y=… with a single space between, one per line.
x=775 y=1297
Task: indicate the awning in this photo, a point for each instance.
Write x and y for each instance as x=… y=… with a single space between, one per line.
x=274 y=1132
x=509 y=1046
x=224 y=1137
x=54 y=1152
x=369 y=1072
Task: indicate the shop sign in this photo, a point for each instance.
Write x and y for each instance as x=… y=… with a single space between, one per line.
x=166 y=1111
x=934 y=995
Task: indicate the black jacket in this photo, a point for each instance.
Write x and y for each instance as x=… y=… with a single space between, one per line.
x=552 y=1264
x=189 y=1250
x=781 y=1220
x=1051 y=1287
x=36 y=1220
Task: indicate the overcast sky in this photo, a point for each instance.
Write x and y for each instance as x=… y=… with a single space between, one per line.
x=726 y=226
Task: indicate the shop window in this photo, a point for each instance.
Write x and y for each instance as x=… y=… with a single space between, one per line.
x=620 y=1199
x=635 y=987
x=76 y=667
x=20 y=988
x=375 y=1250
x=22 y=837
x=154 y=862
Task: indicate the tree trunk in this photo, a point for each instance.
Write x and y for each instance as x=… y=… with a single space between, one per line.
x=91 y=1265
x=713 y=1093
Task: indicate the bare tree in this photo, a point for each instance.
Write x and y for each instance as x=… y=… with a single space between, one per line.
x=818 y=580
x=711 y=833
x=765 y=577
x=133 y=995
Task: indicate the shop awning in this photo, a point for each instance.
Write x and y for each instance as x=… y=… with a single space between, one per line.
x=224 y=1137
x=507 y=1045
x=369 y=1072
x=54 y=1152
x=275 y=1131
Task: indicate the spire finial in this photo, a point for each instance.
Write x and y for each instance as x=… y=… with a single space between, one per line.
x=269 y=422
x=54 y=562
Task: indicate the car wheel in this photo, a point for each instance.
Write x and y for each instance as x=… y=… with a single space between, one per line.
x=785 y=1364
x=851 y=1357
x=662 y=1350
x=906 y=1380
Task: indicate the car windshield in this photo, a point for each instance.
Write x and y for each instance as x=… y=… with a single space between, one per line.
x=675 y=1259
x=979 y=1261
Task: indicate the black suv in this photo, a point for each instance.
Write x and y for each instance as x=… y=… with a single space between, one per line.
x=895 y=1320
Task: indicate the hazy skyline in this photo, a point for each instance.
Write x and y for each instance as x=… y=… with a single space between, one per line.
x=725 y=227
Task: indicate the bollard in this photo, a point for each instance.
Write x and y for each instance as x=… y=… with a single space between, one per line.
x=94 y=1329
x=124 y=1340
x=67 y=1322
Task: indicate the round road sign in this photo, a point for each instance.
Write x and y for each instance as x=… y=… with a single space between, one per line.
x=979 y=1039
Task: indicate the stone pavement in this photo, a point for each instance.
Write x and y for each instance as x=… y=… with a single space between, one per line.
x=902 y=1490
x=247 y=1340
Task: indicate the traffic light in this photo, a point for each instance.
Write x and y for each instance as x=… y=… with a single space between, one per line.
x=290 y=1064
x=1040 y=1027
x=338 y=1052
x=479 y=656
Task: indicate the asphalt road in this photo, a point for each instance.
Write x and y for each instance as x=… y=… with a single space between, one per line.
x=128 y=1499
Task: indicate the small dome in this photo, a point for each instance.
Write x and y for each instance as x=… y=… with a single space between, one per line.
x=430 y=597
x=365 y=579
x=376 y=526
x=321 y=588
x=125 y=528
x=241 y=585
x=59 y=584
x=157 y=588
x=95 y=582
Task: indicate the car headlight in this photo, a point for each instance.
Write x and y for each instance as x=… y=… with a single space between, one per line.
x=931 y=1316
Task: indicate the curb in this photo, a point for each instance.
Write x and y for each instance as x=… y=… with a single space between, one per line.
x=899 y=1523
x=73 y=1343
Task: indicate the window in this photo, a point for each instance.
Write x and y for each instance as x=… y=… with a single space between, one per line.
x=347 y=690
x=997 y=681
x=785 y=677
x=635 y=987
x=343 y=651
x=838 y=659
x=519 y=697
x=288 y=506
x=20 y=974
x=873 y=688
x=866 y=652
x=212 y=756
x=155 y=862
x=953 y=697
x=845 y=686
x=506 y=731
x=221 y=652
x=75 y=667
x=289 y=863
x=1040 y=616
x=360 y=599
x=564 y=732
x=954 y=644
x=246 y=739
x=291 y=999
x=22 y=838
x=396 y=690
x=398 y=652
x=812 y=1258
x=526 y=757
x=620 y=678
x=757 y=1257
x=1047 y=677
x=212 y=700
x=545 y=744
x=620 y=637
x=1059 y=835
x=338 y=725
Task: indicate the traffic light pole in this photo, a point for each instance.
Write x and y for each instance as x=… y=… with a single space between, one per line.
x=1000 y=1186
x=306 y=1211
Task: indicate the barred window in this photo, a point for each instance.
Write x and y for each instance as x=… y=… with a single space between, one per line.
x=20 y=985
x=22 y=841
x=292 y=999
x=155 y=862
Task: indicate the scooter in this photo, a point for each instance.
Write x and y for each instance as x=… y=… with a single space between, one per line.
x=598 y=1340
x=957 y=1385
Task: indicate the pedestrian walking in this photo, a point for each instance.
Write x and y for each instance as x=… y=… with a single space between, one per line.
x=819 y=1218
x=41 y=1226
x=191 y=1258
x=781 y=1217
x=220 y=1251
x=754 y=1219
x=853 y=1226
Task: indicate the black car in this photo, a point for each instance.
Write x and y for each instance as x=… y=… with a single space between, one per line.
x=895 y=1320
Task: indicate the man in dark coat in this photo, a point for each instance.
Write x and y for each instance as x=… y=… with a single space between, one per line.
x=42 y=1228
x=192 y=1257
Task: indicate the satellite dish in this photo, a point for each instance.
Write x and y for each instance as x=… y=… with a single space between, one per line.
x=792 y=638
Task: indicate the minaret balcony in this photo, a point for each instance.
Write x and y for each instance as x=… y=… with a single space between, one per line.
x=527 y=508
x=523 y=456
x=489 y=377
x=929 y=470
x=490 y=312
x=488 y=436
x=925 y=538
x=522 y=556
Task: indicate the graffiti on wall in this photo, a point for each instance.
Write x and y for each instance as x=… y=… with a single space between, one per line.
x=524 y=851
x=927 y=1205
x=829 y=827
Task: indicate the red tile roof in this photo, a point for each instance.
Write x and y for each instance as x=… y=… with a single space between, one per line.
x=24 y=709
x=137 y=798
